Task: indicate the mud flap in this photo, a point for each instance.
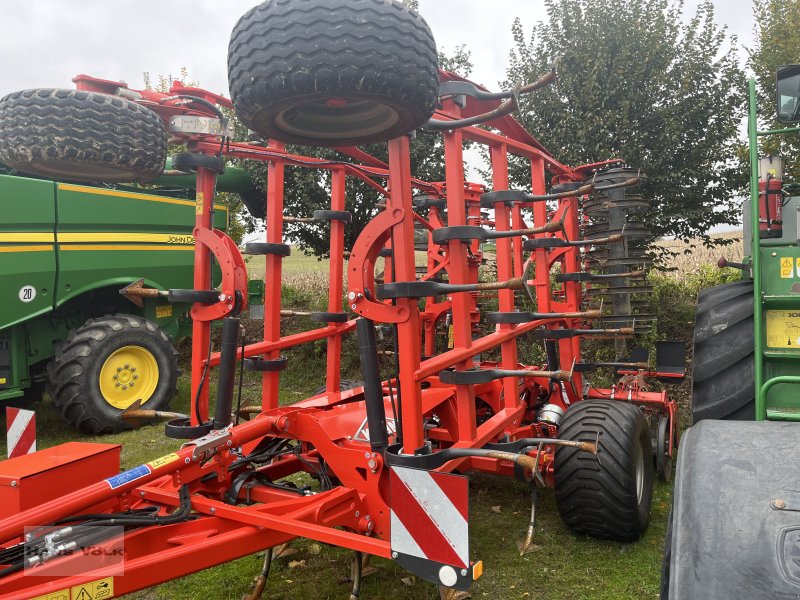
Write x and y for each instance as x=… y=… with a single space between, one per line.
x=736 y=513
x=430 y=526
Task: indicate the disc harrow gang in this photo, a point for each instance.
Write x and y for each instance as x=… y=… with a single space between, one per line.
x=383 y=454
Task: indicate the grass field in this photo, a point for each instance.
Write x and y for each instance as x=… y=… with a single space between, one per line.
x=564 y=566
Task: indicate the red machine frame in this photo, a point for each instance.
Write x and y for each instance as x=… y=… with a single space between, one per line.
x=356 y=513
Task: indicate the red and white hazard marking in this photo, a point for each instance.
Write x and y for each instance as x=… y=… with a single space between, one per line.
x=430 y=514
x=20 y=431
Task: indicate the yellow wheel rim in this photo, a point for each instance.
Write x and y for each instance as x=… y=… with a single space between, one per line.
x=128 y=375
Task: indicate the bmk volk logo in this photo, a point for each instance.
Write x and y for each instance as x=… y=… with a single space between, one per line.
x=74 y=550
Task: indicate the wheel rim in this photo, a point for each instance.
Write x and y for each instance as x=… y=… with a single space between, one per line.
x=128 y=375
x=639 y=459
x=339 y=118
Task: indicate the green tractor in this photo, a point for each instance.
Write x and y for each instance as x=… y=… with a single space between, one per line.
x=734 y=531
x=66 y=250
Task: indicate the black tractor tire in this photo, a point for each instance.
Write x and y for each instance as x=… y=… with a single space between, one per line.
x=607 y=496
x=735 y=526
x=76 y=369
x=723 y=372
x=81 y=136
x=333 y=72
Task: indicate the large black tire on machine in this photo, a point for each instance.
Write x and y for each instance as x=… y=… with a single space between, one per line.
x=333 y=72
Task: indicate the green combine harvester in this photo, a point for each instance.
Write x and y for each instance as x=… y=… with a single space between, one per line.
x=734 y=531
x=65 y=252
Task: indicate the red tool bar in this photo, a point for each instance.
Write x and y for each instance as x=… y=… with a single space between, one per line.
x=459 y=272
x=201 y=330
x=336 y=278
x=505 y=270
x=405 y=269
x=298 y=339
x=273 y=274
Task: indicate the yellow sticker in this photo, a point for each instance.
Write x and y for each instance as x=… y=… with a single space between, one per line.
x=3 y=381
x=787 y=268
x=783 y=329
x=451 y=337
x=59 y=595
x=199 y=201
x=164 y=460
x=162 y=312
x=798 y=267
x=94 y=590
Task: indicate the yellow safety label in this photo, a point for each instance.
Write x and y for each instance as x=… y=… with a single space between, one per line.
x=162 y=312
x=783 y=329
x=199 y=201
x=451 y=337
x=164 y=460
x=787 y=267
x=94 y=590
x=59 y=595
x=798 y=267
x=3 y=381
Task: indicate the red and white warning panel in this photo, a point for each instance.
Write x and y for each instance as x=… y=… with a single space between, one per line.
x=20 y=431
x=430 y=526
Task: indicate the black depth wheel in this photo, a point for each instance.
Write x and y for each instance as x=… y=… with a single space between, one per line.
x=607 y=496
x=723 y=372
x=106 y=365
x=81 y=136
x=333 y=72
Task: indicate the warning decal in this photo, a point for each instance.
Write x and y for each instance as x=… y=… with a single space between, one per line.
x=787 y=267
x=59 y=595
x=429 y=513
x=95 y=590
x=164 y=460
x=783 y=329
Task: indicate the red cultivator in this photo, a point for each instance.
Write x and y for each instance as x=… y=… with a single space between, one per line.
x=384 y=452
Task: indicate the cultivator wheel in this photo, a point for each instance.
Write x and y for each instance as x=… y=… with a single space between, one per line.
x=663 y=459
x=81 y=136
x=619 y=212
x=608 y=497
x=377 y=78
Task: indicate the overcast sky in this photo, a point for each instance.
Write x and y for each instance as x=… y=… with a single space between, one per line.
x=45 y=43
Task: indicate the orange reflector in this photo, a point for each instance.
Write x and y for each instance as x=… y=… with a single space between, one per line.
x=477 y=570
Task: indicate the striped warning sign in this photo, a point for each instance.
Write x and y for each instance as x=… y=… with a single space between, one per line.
x=20 y=431
x=429 y=516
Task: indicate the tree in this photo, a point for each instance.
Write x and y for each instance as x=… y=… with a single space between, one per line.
x=777 y=32
x=308 y=190
x=636 y=82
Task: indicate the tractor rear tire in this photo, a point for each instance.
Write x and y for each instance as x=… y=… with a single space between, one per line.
x=723 y=378
x=331 y=73
x=735 y=527
x=607 y=496
x=81 y=136
x=94 y=373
